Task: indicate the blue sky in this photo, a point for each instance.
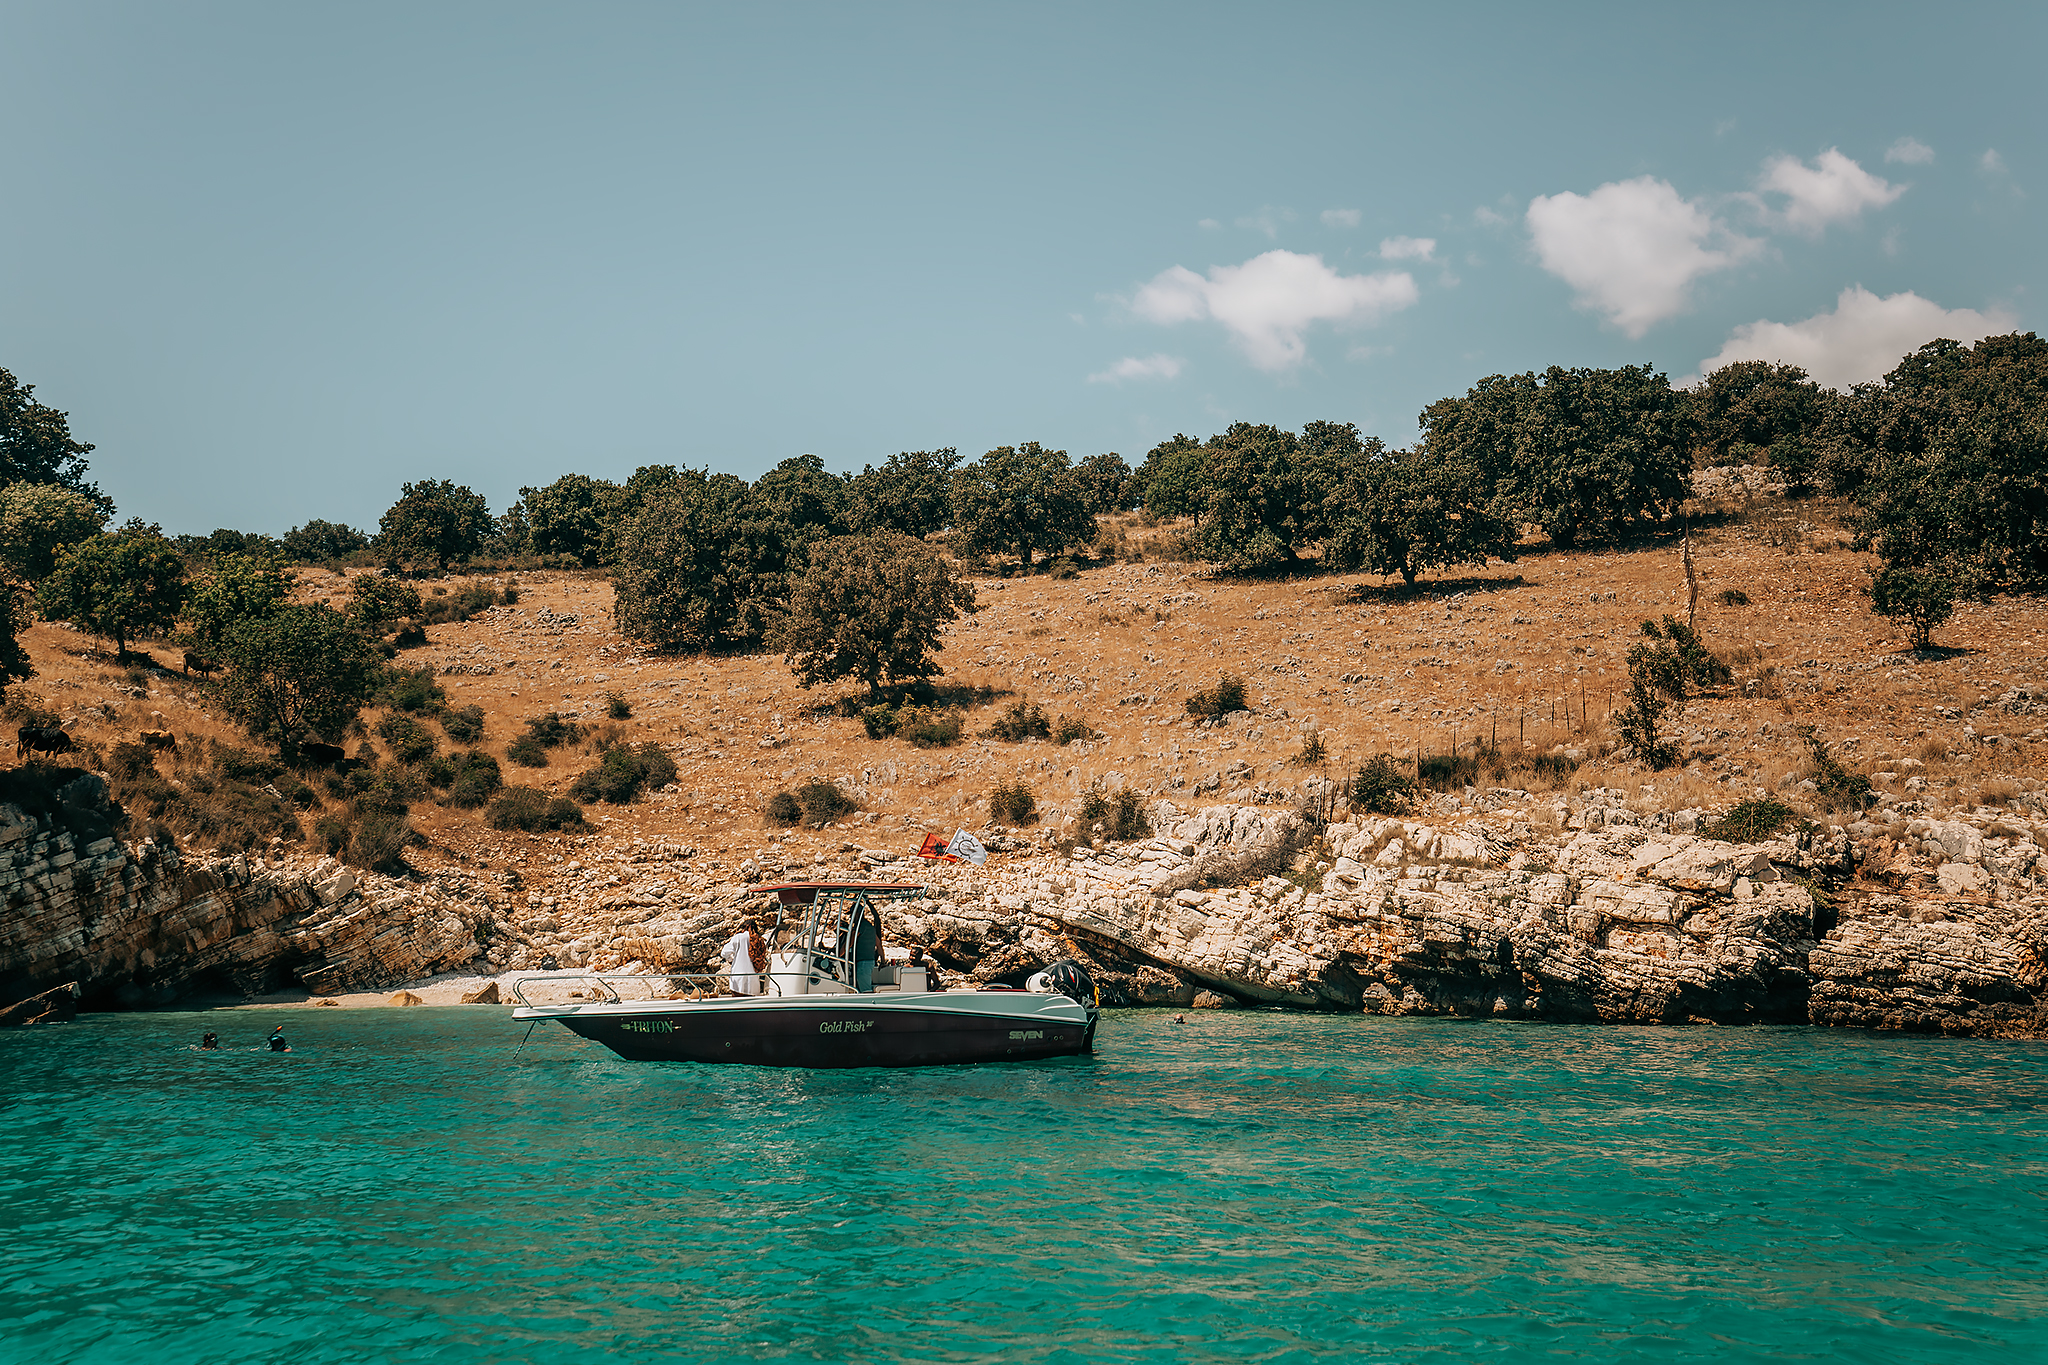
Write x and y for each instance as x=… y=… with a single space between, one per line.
x=277 y=260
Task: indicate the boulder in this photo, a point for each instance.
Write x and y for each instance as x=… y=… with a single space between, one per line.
x=58 y=1005
x=405 y=998
x=487 y=996
x=1210 y=1000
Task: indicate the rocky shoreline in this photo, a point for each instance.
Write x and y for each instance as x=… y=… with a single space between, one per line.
x=1499 y=905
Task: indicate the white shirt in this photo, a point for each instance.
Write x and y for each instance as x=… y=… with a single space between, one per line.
x=740 y=965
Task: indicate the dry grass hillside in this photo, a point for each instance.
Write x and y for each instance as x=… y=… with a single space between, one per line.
x=1530 y=652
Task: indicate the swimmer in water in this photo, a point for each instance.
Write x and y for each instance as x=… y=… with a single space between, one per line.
x=209 y=1043
x=277 y=1042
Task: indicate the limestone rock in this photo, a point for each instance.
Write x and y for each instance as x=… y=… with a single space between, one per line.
x=487 y=996
x=1210 y=1000
x=405 y=998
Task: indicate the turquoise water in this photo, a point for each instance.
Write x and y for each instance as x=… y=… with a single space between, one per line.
x=406 y=1186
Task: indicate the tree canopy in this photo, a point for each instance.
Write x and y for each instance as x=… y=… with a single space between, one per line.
x=36 y=445
x=912 y=494
x=871 y=608
x=300 y=671
x=321 y=542
x=691 y=571
x=1025 y=499
x=567 y=517
x=118 y=585
x=434 y=522
x=39 y=519
x=241 y=587
x=1409 y=512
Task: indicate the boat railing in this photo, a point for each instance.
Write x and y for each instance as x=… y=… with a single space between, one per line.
x=616 y=988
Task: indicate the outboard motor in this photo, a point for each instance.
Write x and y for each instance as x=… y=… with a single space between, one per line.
x=1069 y=978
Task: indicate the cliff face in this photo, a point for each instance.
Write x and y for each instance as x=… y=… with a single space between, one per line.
x=1611 y=922
x=143 y=924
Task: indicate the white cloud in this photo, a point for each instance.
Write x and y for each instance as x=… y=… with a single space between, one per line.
x=1863 y=337
x=1909 y=151
x=1488 y=218
x=1210 y=224
x=1140 y=367
x=1267 y=220
x=1631 y=249
x=1269 y=301
x=1991 y=163
x=1408 y=249
x=1341 y=217
x=1832 y=190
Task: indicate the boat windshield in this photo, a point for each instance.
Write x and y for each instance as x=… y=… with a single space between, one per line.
x=828 y=928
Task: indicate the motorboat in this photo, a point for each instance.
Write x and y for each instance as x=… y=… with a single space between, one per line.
x=812 y=1010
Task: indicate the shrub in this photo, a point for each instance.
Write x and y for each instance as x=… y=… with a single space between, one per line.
x=823 y=802
x=1551 y=768
x=128 y=761
x=239 y=765
x=1732 y=597
x=463 y=724
x=622 y=773
x=553 y=730
x=928 y=727
x=524 y=808
x=1380 y=785
x=1313 y=750
x=1445 y=771
x=1071 y=728
x=1127 y=816
x=616 y=707
x=1678 y=661
x=1012 y=803
x=1023 y=720
x=458 y=606
x=527 y=752
x=1637 y=722
x=1749 y=822
x=331 y=835
x=410 y=689
x=1837 y=787
x=782 y=809
x=878 y=721
x=1226 y=696
x=1922 y=598
x=1094 y=803
x=410 y=741
x=477 y=780
x=378 y=842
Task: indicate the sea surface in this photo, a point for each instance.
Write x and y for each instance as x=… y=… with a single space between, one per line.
x=411 y=1185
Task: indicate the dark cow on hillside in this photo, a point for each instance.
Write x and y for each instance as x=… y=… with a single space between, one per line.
x=46 y=739
x=200 y=664
x=326 y=755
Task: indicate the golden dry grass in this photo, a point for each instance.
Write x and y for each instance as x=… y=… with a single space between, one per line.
x=1529 y=655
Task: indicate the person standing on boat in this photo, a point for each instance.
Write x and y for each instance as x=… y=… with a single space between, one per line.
x=746 y=957
x=867 y=946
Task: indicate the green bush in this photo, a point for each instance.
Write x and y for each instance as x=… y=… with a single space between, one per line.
x=822 y=802
x=524 y=808
x=477 y=780
x=928 y=727
x=527 y=752
x=1679 y=661
x=616 y=707
x=331 y=835
x=1094 y=803
x=783 y=809
x=410 y=741
x=463 y=724
x=239 y=765
x=1380 y=785
x=1222 y=699
x=1923 y=598
x=410 y=689
x=1732 y=597
x=1837 y=787
x=1071 y=728
x=622 y=773
x=1127 y=816
x=1023 y=720
x=378 y=843
x=1013 y=803
x=878 y=721
x=552 y=730
x=1443 y=772
x=1750 y=822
